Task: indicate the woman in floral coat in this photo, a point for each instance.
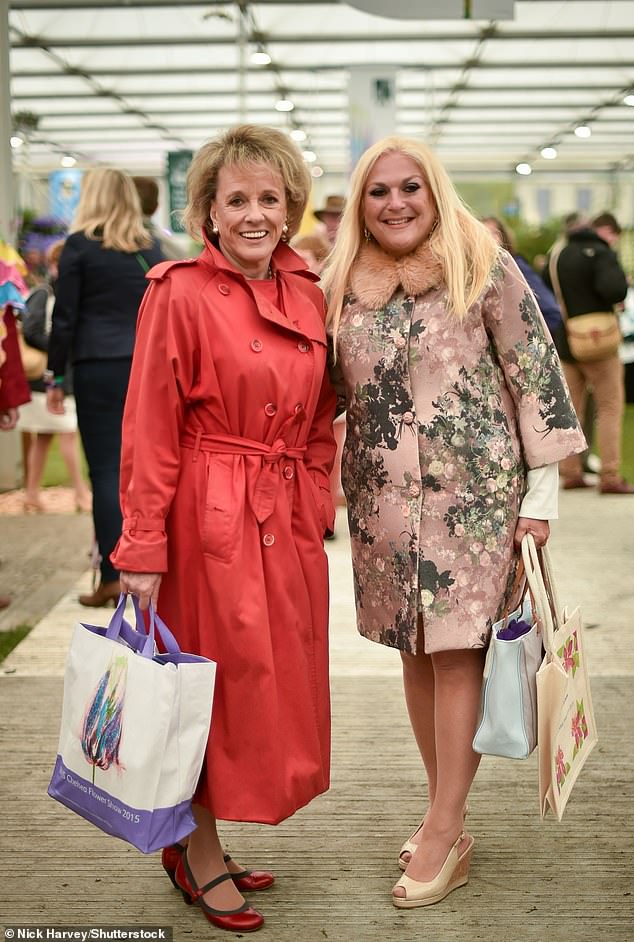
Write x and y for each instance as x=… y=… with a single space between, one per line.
x=457 y=414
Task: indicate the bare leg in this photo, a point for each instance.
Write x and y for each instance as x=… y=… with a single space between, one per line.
x=205 y=857
x=457 y=685
x=69 y=450
x=418 y=684
x=40 y=444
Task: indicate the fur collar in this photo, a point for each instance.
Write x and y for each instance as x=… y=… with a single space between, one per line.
x=375 y=275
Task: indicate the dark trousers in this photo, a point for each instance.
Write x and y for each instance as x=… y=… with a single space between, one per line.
x=100 y=390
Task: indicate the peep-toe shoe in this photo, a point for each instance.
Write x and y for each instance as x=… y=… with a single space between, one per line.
x=453 y=873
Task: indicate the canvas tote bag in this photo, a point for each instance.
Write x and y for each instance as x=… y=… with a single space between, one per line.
x=133 y=732
x=566 y=728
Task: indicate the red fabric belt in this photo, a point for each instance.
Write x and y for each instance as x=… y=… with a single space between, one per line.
x=268 y=479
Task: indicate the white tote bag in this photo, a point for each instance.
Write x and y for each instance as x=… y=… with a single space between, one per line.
x=567 y=731
x=134 y=730
x=507 y=725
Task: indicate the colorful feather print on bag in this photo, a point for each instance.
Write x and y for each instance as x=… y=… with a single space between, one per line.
x=102 y=727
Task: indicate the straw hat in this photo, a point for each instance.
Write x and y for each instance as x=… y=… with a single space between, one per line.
x=334 y=205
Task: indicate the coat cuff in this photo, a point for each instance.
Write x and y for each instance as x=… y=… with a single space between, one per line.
x=142 y=546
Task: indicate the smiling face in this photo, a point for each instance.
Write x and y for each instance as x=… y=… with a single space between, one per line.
x=249 y=211
x=398 y=207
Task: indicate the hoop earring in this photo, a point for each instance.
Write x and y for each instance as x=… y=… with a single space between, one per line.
x=284 y=235
x=433 y=228
x=367 y=235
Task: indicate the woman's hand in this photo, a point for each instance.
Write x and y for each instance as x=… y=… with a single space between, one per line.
x=8 y=419
x=55 y=400
x=145 y=585
x=540 y=530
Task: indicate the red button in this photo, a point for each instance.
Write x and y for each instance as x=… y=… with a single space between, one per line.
x=288 y=472
x=270 y=408
x=299 y=408
x=223 y=288
x=256 y=346
x=303 y=347
x=268 y=539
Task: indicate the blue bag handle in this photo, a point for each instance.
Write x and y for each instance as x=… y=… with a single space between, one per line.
x=119 y=628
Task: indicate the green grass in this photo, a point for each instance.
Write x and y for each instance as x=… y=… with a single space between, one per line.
x=10 y=639
x=55 y=473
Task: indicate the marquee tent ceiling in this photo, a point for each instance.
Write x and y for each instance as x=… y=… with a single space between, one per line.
x=124 y=82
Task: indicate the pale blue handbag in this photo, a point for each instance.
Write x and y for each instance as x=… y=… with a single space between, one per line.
x=508 y=708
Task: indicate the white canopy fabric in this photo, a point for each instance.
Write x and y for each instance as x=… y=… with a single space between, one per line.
x=125 y=82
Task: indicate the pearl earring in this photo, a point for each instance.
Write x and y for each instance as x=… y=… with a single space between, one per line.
x=285 y=232
x=214 y=228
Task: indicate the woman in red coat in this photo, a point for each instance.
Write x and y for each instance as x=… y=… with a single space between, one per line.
x=227 y=449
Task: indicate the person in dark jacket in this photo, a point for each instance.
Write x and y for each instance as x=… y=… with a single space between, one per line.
x=544 y=296
x=101 y=282
x=592 y=279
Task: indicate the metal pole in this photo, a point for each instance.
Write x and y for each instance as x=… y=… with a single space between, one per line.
x=7 y=212
x=242 y=61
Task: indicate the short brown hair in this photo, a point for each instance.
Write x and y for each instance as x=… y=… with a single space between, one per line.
x=245 y=144
x=148 y=191
x=314 y=243
x=607 y=220
x=54 y=251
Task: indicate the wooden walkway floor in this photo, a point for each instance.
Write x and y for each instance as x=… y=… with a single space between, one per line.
x=531 y=881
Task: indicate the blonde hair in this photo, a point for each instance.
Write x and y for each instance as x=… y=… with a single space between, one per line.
x=464 y=247
x=238 y=147
x=109 y=210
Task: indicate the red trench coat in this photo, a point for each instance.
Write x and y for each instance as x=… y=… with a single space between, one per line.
x=227 y=449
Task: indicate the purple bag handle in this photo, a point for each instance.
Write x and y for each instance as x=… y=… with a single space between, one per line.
x=119 y=628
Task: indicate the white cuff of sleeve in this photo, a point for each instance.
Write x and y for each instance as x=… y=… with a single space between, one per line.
x=541 y=501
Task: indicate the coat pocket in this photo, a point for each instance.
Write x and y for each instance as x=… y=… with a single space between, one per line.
x=222 y=510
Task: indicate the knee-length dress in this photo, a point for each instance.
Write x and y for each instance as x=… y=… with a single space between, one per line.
x=227 y=449
x=443 y=421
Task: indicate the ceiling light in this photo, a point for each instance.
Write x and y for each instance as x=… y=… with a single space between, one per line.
x=316 y=171
x=583 y=131
x=260 y=56
x=309 y=156
x=298 y=135
x=549 y=153
x=629 y=100
x=284 y=104
x=16 y=142
x=523 y=169
x=68 y=160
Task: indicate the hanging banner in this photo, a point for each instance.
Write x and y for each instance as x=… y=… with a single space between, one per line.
x=178 y=162
x=372 y=106
x=63 y=193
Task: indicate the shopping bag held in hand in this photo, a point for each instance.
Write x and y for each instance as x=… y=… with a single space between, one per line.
x=567 y=730
x=508 y=709
x=134 y=730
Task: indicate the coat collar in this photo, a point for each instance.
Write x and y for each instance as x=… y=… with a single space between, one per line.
x=375 y=275
x=298 y=299
x=284 y=259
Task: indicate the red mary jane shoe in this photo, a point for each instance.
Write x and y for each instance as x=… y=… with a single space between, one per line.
x=246 y=880
x=242 y=919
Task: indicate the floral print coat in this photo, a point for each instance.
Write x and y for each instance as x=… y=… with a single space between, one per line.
x=443 y=421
